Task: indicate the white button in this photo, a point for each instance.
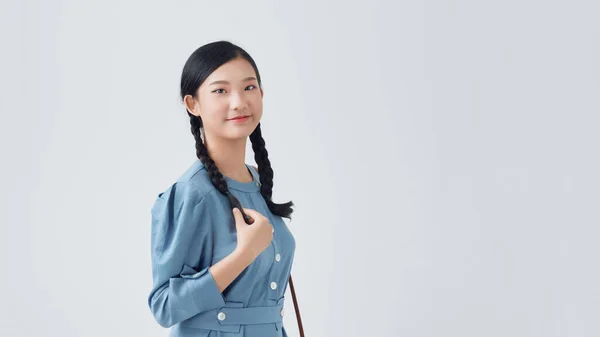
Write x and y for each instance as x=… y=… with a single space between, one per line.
x=277 y=257
x=273 y=285
x=221 y=316
x=257 y=184
x=273 y=230
x=281 y=312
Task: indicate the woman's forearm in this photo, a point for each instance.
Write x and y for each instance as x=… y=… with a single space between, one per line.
x=227 y=270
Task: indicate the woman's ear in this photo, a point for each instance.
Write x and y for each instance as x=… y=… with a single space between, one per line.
x=191 y=104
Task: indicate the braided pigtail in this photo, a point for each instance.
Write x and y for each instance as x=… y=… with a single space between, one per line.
x=214 y=174
x=261 y=156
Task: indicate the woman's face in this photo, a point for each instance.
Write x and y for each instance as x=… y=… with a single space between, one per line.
x=230 y=91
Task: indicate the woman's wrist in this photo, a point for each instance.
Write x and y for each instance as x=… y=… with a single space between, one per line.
x=243 y=255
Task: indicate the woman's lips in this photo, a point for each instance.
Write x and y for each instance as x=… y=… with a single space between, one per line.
x=240 y=119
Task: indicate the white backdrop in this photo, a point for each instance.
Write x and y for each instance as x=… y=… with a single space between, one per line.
x=442 y=157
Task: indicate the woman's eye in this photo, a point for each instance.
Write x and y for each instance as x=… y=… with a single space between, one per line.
x=220 y=91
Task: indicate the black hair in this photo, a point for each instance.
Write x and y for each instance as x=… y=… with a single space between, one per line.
x=197 y=68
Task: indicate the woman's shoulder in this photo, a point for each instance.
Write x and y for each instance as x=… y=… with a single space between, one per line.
x=197 y=176
x=194 y=184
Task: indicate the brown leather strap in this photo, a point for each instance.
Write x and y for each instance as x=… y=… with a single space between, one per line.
x=296 y=308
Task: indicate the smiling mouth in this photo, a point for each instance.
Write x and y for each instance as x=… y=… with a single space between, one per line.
x=240 y=117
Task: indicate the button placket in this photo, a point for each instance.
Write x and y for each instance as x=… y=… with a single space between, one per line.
x=273 y=272
x=275 y=243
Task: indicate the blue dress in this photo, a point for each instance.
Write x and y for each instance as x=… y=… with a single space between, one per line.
x=193 y=228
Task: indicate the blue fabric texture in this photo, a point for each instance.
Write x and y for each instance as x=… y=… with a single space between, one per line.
x=192 y=229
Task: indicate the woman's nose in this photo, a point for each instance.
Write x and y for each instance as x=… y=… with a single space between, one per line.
x=238 y=102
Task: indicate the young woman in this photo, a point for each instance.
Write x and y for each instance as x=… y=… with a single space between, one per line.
x=218 y=271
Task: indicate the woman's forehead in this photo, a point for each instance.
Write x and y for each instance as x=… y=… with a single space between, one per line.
x=237 y=70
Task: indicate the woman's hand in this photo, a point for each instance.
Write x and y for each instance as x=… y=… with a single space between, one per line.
x=255 y=238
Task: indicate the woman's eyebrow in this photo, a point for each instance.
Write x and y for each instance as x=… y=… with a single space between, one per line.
x=225 y=82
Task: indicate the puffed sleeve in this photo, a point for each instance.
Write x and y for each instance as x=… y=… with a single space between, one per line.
x=180 y=236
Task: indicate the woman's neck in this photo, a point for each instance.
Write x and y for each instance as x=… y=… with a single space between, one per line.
x=230 y=158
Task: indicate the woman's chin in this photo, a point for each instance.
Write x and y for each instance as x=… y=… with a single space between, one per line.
x=240 y=133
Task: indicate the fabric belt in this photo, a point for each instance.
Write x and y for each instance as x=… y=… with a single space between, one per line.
x=233 y=315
